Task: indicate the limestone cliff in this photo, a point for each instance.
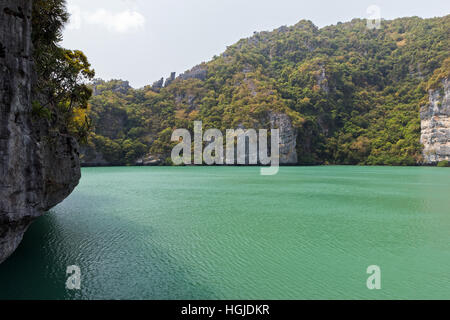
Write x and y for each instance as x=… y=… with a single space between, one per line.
x=288 y=137
x=435 y=125
x=39 y=165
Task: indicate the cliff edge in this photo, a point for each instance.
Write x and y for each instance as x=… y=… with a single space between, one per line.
x=39 y=165
x=435 y=125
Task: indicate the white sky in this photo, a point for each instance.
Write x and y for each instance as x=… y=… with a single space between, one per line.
x=144 y=40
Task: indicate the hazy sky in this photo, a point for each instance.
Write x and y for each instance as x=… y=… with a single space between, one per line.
x=144 y=40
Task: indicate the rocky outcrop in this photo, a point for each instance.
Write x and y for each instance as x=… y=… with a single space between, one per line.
x=435 y=125
x=39 y=165
x=116 y=86
x=170 y=79
x=198 y=72
x=19 y=191
x=59 y=159
x=157 y=85
x=288 y=137
x=322 y=80
x=149 y=160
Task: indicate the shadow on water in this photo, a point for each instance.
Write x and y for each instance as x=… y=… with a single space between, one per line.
x=37 y=270
x=25 y=275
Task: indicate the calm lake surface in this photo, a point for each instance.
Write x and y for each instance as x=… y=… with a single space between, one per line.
x=229 y=233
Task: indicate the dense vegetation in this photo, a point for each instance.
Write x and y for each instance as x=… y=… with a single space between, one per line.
x=353 y=94
x=60 y=90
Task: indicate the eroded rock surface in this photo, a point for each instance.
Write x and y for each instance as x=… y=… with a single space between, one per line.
x=288 y=137
x=39 y=165
x=435 y=125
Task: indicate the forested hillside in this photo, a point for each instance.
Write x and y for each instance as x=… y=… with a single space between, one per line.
x=352 y=94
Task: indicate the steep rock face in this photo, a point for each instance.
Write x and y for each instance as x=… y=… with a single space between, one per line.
x=435 y=125
x=38 y=166
x=60 y=162
x=20 y=186
x=288 y=137
x=170 y=79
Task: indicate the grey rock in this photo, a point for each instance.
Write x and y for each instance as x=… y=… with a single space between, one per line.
x=39 y=165
x=435 y=125
x=119 y=86
x=322 y=80
x=288 y=137
x=122 y=87
x=158 y=84
x=282 y=29
x=170 y=79
x=198 y=72
x=149 y=160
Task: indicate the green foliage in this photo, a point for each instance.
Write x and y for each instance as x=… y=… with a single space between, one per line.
x=444 y=163
x=353 y=94
x=62 y=74
x=40 y=111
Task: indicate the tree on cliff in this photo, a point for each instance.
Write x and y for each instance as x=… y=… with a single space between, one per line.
x=61 y=90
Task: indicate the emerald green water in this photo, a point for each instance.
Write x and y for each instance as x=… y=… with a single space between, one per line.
x=229 y=233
